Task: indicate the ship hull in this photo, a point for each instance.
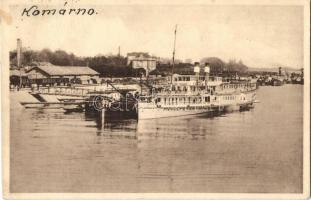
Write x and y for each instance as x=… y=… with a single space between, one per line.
x=240 y=107
x=154 y=113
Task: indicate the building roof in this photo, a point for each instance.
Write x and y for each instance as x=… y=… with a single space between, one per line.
x=140 y=55
x=137 y=54
x=37 y=63
x=54 y=70
x=15 y=72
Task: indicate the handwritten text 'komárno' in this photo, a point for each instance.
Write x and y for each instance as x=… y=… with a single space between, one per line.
x=36 y=11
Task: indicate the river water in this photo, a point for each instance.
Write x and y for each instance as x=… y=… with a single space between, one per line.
x=256 y=151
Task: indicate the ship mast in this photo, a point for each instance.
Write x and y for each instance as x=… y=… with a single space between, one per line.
x=174 y=54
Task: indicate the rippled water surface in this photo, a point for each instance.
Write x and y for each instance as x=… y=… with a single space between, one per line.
x=254 y=151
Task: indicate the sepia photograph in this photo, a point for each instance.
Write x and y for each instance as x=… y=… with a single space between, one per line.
x=153 y=100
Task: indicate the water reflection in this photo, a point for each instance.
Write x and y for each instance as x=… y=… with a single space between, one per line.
x=112 y=126
x=78 y=152
x=185 y=127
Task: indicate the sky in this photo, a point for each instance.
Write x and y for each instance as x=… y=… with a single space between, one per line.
x=261 y=36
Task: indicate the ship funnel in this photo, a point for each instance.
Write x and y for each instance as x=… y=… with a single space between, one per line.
x=196 y=67
x=207 y=68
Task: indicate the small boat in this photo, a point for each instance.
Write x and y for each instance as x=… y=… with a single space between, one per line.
x=73 y=108
x=45 y=105
x=33 y=105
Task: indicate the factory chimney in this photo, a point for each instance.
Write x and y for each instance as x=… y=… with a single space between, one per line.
x=19 y=53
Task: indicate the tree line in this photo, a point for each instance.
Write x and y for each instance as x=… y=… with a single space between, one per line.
x=116 y=66
x=109 y=65
x=217 y=67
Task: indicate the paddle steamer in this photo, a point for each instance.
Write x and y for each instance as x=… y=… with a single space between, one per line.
x=196 y=94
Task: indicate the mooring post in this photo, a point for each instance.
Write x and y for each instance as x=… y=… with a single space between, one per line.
x=102 y=117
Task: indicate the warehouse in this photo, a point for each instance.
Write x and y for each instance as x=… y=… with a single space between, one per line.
x=62 y=75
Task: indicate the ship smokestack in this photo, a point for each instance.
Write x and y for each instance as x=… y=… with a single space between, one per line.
x=207 y=71
x=196 y=68
x=207 y=68
x=19 y=52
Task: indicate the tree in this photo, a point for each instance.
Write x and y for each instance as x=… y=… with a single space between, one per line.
x=233 y=66
x=216 y=64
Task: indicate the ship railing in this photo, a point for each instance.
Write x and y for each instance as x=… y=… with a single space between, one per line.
x=201 y=92
x=187 y=105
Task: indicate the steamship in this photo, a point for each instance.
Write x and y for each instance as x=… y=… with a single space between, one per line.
x=197 y=94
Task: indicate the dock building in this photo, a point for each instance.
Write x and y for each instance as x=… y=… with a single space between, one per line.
x=49 y=74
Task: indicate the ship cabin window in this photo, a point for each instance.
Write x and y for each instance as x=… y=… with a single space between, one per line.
x=180 y=78
x=207 y=99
